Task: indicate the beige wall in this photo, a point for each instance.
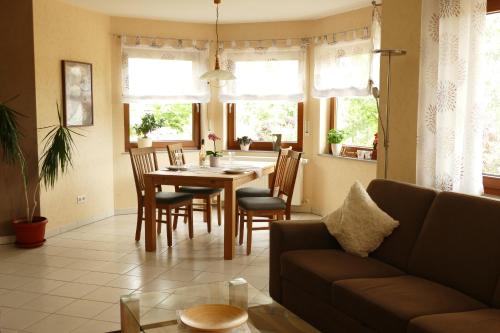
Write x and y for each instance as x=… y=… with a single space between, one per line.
x=327 y=179
x=17 y=78
x=63 y=32
x=401 y=29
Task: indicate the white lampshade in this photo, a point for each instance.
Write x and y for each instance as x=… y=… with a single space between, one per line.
x=218 y=74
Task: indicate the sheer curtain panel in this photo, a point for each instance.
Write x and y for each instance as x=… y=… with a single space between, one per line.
x=450 y=129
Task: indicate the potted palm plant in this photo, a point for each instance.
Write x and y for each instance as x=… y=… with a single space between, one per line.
x=244 y=143
x=149 y=123
x=335 y=138
x=55 y=161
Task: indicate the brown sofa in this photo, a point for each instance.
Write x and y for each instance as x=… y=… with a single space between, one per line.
x=438 y=272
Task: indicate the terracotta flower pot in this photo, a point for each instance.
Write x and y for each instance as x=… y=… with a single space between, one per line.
x=29 y=235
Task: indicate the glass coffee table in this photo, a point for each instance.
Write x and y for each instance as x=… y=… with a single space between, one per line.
x=158 y=312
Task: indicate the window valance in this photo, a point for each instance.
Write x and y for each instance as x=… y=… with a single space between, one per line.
x=164 y=73
x=343 y=68
x=273 y=74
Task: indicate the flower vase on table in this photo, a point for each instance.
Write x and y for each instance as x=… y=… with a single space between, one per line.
x=214 y=154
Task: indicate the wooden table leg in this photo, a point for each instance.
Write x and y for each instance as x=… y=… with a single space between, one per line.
x=229 y=222
x=150 y=207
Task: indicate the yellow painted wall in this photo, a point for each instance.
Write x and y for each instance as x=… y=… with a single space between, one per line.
x=326 y=179
x=64 y=32
x=401 y=29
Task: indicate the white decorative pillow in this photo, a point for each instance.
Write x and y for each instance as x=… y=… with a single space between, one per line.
x=359 y=225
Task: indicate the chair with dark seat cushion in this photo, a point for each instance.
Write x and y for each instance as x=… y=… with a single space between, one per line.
x=144 y=160
x=483 y=321
x=314 y=266
x=388 y=304
x=270 y=206
x=262 y=203
x=206 y=194
x=250 y=191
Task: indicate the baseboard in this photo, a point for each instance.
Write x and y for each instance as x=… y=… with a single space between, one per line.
x=75 y=225
x=7 y=240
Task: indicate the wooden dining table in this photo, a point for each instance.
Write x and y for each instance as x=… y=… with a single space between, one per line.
x=206 y=177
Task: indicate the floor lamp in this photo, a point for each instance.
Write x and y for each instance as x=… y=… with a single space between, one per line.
x=385 y=129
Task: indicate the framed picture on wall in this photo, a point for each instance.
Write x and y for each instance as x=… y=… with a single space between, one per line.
x=77 y=93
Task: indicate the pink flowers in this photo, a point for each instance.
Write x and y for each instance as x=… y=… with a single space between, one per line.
x=213 y=137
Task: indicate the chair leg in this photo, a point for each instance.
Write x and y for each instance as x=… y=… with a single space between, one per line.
x=242 y=227
x=209 y=214
x=176 y=217
x=158 y=223
x=169 y=227
x=236 y=220
x=190 y=220
x=288 y=214
x=280 y=216
x=139 y=223
x=219 y=211
x=249 y=232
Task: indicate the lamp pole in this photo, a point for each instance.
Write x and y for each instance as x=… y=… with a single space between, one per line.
x=388 y=53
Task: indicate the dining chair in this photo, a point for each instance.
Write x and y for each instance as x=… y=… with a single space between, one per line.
x=274 y=183
x=144 y=160
x=206 y=194
x=276 y=207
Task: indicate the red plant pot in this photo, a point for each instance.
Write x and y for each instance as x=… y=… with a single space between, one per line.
x=30 y=235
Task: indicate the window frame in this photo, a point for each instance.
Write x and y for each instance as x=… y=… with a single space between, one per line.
x=349 y=150
x=491 y=183
x=232 y=143
x=186 y=144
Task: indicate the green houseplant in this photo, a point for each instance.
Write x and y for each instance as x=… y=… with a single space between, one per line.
x=149 y=123
x=335 y=138
x=244 y=142
x=56 y=160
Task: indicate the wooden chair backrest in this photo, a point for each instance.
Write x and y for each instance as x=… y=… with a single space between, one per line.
x=279 y=171
x=143 y=160
x=290 y=175
x=173 y=149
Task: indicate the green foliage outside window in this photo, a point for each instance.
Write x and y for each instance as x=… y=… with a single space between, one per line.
x=359 y=120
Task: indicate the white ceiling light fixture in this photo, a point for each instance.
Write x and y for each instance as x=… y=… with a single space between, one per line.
x=217 y=74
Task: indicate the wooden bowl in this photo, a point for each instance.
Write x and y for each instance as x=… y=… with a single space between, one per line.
x=213 y=317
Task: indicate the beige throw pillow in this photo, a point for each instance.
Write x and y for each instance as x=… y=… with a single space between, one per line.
x=359 y=225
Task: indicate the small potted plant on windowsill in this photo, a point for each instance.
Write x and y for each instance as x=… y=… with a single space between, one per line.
x=55 y=161
x=214 y=154
x=335 y=138
x=148 y=124
x=244 y=143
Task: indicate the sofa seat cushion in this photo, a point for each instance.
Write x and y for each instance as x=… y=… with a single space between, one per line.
x=388 y=304
x=484 y=321
x=315 y=270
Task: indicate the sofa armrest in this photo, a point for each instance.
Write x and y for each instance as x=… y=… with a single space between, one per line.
x=294 y=235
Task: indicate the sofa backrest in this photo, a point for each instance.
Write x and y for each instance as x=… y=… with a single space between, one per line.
x=459 y=245
x=409 y=205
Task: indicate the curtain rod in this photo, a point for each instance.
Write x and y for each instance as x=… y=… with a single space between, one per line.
x=344 y=32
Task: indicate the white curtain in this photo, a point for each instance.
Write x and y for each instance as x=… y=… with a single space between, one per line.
x=154 y=72
x=342 y=68
x=449 y=148
x=270 y=73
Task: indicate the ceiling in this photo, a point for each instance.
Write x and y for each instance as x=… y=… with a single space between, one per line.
x=231 y=11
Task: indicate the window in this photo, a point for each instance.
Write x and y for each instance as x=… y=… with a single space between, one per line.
x=162 y=77
x=259 y=120
x=491 y=156
x=181 y=123
x=358 y=118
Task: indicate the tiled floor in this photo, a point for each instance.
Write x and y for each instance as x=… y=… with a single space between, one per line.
x=73 y=283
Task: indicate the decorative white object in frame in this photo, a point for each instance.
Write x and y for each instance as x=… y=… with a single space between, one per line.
x=77 y=93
